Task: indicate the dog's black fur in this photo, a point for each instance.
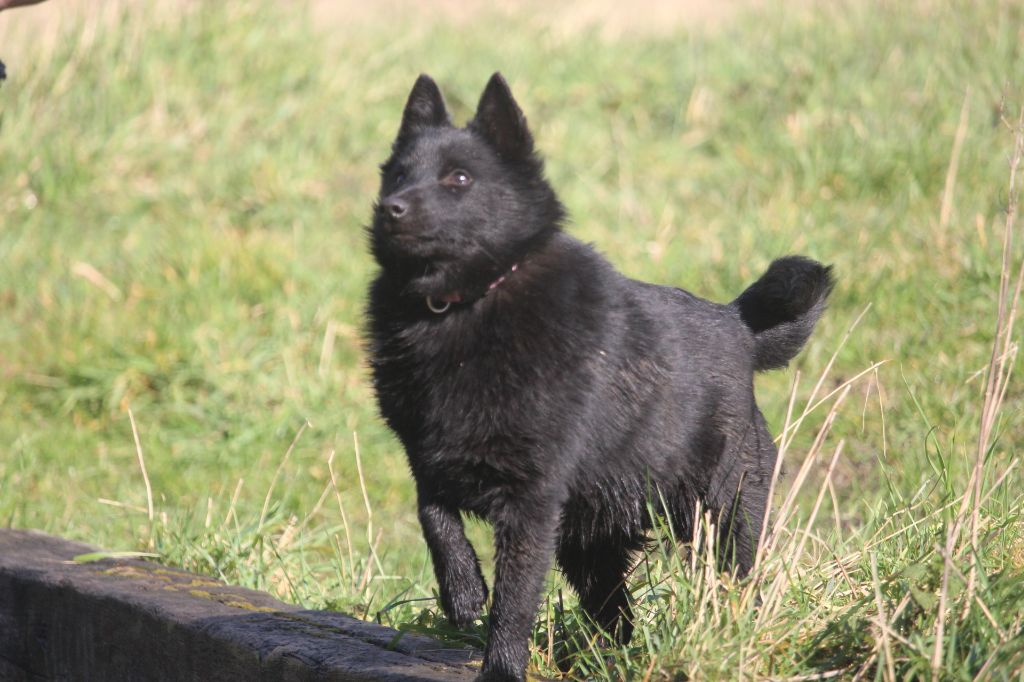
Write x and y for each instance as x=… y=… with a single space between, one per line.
x=557 y=402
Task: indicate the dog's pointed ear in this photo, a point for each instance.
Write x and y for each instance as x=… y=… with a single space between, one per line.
x=424 y=108
x=501 y=122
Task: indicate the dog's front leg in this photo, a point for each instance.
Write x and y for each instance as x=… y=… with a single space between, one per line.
x=524 y=539
x=456 y=566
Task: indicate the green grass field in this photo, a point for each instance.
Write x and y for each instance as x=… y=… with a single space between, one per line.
x=182 y=202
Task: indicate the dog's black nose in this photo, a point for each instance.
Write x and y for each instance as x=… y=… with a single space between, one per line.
x=396 y=207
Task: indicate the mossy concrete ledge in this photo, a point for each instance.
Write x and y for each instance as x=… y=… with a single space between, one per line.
x=126 y=619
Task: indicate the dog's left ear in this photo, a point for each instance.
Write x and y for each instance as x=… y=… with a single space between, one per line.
x=500 y=120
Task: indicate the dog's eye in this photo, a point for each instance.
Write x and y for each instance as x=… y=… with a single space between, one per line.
x=399 y=180
x=457 y=178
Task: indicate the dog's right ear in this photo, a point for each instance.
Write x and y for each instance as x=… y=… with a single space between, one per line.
x=424 y=108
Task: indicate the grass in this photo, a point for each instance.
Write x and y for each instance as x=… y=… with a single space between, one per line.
x=181 y=210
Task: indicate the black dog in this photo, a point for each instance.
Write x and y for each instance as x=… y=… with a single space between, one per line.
x=534 y=386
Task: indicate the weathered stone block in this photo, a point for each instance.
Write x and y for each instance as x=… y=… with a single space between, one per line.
x=135 y=620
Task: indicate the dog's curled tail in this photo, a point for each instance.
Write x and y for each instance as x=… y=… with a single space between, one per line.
x=782 y=307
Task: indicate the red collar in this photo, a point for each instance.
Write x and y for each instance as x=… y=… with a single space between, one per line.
x=456 y=297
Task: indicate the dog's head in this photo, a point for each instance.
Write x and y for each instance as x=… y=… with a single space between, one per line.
x=459 y=206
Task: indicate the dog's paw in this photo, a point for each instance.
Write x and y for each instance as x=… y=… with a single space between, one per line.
x=464 y=600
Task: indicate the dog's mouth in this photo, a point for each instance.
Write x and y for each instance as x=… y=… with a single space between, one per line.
x=422 y=243
x=427 y=248
x=408 y=238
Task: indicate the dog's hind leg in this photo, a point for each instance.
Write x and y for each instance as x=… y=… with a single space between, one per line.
x=597 y=572
x=739 y=496
x=739 y=524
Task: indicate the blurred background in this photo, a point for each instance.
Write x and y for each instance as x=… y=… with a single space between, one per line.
x=184 y=188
